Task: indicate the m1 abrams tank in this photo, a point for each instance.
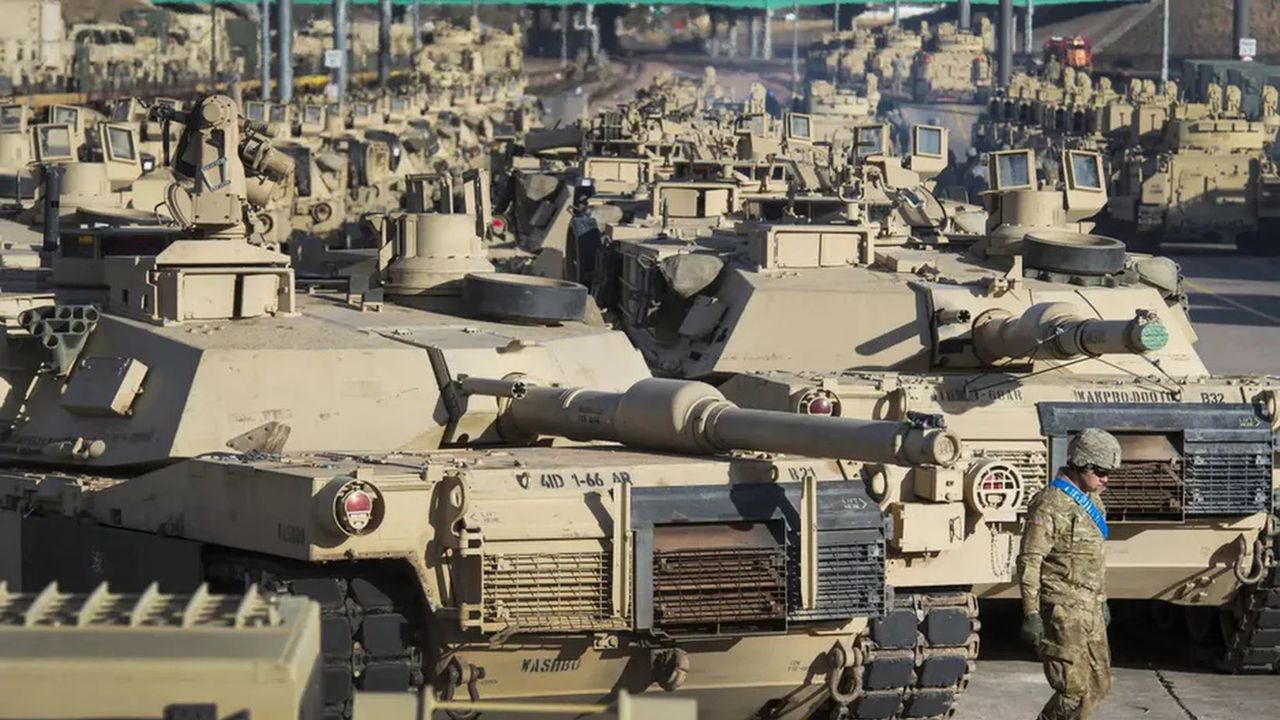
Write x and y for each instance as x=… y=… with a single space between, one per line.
x=1033 y=333
x=406 y=466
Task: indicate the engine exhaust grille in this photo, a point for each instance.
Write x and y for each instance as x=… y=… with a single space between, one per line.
x=565 y=591
x=1227 y=478
x=715 y=574
x=850 y=576
x=1144 y=489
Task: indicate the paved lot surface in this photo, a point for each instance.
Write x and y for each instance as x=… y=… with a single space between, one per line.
x=1235 y=307
x=1017 y=689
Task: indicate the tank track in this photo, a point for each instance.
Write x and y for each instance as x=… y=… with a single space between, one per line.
x=372 y=632
x=1251 y=629
x=917 y=660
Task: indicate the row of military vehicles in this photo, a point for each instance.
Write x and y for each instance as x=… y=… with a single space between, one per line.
x=1191 y=166
x=686 y=398
x=158 y=49
x=930 y=64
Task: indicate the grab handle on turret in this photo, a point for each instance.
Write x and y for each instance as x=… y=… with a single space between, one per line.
x=1053 y=331
x=693 y=417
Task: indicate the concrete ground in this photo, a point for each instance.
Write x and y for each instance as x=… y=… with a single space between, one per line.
x=1008 y=689
x=1235 y=307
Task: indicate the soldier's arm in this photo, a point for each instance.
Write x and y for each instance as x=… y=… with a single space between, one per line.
x=1037 y=541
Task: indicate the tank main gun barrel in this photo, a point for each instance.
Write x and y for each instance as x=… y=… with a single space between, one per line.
x=1054 y=331
x=693 y=417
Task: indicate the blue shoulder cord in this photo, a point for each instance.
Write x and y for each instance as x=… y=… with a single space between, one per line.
x=1078 y=496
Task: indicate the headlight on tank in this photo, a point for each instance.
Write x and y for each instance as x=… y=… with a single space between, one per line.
x=351 y=507
x=994 y=489
x=321 y=212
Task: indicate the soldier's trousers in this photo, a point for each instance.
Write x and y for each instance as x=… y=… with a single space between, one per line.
x=1077 y=662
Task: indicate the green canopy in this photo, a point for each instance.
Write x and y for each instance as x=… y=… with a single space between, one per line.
x=761 y=4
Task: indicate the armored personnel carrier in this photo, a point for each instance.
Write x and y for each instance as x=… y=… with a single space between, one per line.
x=953 y=67
x=1032 y=333
x=893 y=59
x=501 y=503
x=1212 y=178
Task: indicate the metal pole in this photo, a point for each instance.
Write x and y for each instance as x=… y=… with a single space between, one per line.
x=753 y=34
x=213 y=41
x=1005 y=33
x=415 y=17
x=795 y=44
x=384 y=43
x=767 y=50
x=593 y=31
x=264 y=62
x=1240 y=27
x=284 y=29
x=965 y=15
x=52 y=212
x=1028 y=45
x=564 y=32
x=340 y=27
x=1164 y=45
x=475 y=14
x=897 y=13
x=835 y=17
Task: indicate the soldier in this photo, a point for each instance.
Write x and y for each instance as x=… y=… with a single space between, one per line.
x=1063 y=578
x=1053 y=70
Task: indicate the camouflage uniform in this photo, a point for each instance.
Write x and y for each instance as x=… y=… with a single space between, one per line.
x=1063 y=579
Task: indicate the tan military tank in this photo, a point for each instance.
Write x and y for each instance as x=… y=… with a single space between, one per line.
x=503 y=504
x=953 y=67
x=893 y=59
x=1030 y=334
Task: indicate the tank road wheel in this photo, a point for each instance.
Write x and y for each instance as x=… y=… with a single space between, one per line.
x=372 y=630
x=1252 y=632
x=1165 y=616
x=916 y=661
x=1201 y=623
x=524 y=298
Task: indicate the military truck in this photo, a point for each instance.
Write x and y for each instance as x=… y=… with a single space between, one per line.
x=483 y=492
x=1030 y=333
